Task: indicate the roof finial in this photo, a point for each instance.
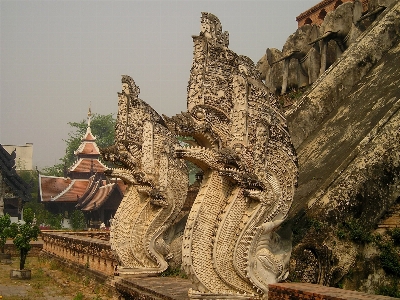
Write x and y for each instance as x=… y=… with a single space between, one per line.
x=89 y=114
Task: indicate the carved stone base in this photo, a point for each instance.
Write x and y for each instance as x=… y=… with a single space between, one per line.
x=5 y=258
x=20 y=274
x=199 y=295
x=138 y=272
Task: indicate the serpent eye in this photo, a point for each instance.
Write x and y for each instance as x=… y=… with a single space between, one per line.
x=199 y=114
x=238 y=148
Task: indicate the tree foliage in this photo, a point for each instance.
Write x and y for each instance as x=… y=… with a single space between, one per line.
x=31 y=177
x=102 y=127
x=78 y=220
x=5 y=222
x=43 y=216
x=23 y=234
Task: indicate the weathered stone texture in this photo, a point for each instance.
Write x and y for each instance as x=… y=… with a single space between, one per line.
x=367 y=116
x=347 y=134
x=337 y=82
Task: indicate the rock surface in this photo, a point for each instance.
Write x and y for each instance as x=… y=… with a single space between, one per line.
x=346 y=131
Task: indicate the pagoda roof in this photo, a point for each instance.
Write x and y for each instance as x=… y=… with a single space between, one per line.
x=88 y=148
x=60 y=189
x=100 y=197
x=89 y=135
x=84 y=165
x=95 y=182
x=98 y=191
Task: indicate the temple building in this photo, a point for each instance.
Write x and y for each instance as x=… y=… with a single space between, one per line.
x=84 y=186
x=14 y=191
x=316 y=14
x=23 y=155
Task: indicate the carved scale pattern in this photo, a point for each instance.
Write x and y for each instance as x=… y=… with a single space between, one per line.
x=157 y=183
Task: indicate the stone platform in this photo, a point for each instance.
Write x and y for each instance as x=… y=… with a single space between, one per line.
x=84 y=255
x=152 y=288
x=171 y=288
x=297 y=290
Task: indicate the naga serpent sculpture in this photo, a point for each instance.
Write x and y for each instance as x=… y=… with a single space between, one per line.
x=230 y=248
x=157 y=181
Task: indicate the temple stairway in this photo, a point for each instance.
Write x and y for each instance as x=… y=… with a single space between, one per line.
x=391 y=219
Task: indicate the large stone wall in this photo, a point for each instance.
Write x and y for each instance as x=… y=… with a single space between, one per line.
x=337 y=82
x=347 y=137
x=10 y=248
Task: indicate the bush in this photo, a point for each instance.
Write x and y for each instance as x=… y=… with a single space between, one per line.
x=389 y=259
x=78 y=220
x=23 y=234
x=355 y=232
x=173 y=272
x=391 y=289
x=316 y=224
x=54 y=220
x=5 y=222
x=79 y=296
x=395 y=234
x=43 y=216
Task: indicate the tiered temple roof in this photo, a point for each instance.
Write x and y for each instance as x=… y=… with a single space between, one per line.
x=61 y=189
x=85 y=186
x=88 y=155
x=98 y=192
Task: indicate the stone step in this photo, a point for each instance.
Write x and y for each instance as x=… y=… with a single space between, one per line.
x=392 y=218
x=293 y=290
x=166 y=288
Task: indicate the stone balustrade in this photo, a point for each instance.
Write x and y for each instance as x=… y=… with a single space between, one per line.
x=91 y=253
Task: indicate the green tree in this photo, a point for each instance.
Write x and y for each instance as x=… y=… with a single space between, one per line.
x=54 y=221
x=102 y=127
x=23 y=234
x=78 y=220
x=31 y=177
x=5 y=222
x=43 y=216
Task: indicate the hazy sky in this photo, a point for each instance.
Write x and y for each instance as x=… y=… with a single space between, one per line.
x=58 y=57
